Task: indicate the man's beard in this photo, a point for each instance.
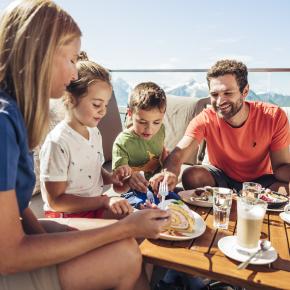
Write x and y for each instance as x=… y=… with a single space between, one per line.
x=234 y=109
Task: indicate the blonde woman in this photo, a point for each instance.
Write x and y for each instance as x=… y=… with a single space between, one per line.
x=39 y=45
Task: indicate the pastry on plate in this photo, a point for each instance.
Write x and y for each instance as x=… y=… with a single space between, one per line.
x=181 y=220
x=203 y=194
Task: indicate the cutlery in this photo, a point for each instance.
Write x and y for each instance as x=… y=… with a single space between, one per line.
x=264 y=246
x=163 y=190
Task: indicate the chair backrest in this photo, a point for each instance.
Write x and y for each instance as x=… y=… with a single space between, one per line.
x=110 y=126
x=180 y=111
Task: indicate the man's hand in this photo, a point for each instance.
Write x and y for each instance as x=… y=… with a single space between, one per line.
x=157 y=178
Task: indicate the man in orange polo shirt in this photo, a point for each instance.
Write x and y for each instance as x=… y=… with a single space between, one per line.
x=246 y=141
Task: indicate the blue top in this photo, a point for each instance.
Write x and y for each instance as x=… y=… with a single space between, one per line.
x=16 y=162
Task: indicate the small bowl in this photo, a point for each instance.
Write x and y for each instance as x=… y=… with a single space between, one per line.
x=277 y=204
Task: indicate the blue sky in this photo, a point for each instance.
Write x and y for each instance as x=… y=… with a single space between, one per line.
x=182 y=33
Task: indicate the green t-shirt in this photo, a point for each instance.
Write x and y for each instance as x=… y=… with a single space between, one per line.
x=139 y=154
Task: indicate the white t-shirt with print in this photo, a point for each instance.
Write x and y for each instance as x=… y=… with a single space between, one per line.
x=68 y=156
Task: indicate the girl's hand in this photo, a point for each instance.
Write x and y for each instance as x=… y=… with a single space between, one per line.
x=105 y=201
x=138 y=182
x=147 y=223
x=121 y=207
x=121 y=173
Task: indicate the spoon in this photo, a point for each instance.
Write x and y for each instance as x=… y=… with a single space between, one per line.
x=264 y=246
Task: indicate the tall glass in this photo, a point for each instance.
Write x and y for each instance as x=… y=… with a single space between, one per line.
x=251 y=189
x=251 y=212
x=222 y=202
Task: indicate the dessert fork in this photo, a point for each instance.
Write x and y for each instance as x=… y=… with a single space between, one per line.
x=163 y=190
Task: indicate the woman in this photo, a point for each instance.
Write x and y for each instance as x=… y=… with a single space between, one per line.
x=39 y=45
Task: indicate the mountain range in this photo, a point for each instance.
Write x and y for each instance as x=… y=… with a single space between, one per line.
x=122 y=90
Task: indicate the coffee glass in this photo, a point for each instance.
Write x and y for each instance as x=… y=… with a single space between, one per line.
x=251 y=212
x=222 y=202
x=251 y=189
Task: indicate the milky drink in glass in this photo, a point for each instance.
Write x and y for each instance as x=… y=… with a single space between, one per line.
x=222 y=202
x=251 y=212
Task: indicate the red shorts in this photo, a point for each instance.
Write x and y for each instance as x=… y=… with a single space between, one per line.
x=90 y=214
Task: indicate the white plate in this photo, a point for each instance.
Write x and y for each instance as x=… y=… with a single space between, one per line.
x=285 y=217
x=186 y=196
x=228 y=245
x=199 y=225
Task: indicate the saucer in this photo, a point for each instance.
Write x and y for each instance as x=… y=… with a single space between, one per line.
x=228 y=245
x=285 y=217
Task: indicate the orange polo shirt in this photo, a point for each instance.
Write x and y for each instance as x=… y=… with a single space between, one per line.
x=242 y=153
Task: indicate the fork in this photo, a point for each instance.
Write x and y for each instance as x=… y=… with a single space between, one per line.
x=163 y=190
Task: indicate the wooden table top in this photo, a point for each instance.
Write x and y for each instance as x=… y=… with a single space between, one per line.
x=202 y=257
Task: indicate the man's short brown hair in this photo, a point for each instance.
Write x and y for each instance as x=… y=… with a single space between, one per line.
x=233 y=67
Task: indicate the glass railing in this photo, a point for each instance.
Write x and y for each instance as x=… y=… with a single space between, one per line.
x=266 y=84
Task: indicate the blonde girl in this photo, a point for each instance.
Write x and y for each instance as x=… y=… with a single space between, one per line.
x=71 y=158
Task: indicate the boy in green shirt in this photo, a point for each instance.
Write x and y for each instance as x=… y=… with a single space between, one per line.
x=140 y=148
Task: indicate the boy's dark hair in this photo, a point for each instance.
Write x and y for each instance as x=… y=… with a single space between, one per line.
x=233 y=67
x=88 y=73
x=147 y=96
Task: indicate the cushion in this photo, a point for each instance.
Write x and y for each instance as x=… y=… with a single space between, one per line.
x=180 y=111
x=110 y=126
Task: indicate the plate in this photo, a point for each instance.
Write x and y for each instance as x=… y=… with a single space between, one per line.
x=282 y=199
x=279 y=209
x=285 y=217
x=228 y=245
x=199 y=225
x=187 y=197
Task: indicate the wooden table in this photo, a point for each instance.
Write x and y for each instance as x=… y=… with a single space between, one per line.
x=202 y=257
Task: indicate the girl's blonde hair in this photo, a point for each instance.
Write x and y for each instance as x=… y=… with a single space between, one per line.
x=31 y=32
x=89 y=72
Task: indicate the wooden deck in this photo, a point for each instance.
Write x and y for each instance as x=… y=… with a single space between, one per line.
x=201 y=256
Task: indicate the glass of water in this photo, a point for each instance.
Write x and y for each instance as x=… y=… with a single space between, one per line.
x=222 y=202
x=251 y=189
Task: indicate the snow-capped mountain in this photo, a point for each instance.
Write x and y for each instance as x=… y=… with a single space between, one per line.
x=190 y=88
x=121 y=90
x=199 y=90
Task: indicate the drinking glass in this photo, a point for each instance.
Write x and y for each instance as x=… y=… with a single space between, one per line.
x=251 y=212
x=222 y=202
x=251 y=189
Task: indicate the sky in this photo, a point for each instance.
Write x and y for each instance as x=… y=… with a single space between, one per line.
x=150 y=34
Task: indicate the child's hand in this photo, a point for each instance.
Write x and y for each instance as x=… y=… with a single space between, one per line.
x=148 y=205
x=121 y=173
x=138 y=182
x=121 y=207
x=105 y=201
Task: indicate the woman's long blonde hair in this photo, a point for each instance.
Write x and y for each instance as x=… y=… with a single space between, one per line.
x=31 y=32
